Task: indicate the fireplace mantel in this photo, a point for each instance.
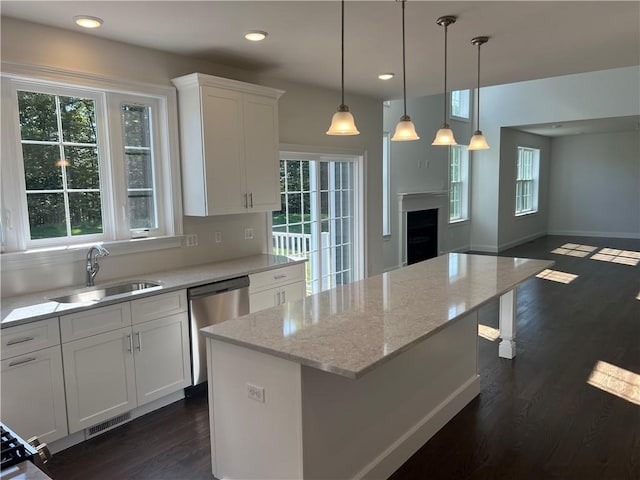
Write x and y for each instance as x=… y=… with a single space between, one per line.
x=414 y=201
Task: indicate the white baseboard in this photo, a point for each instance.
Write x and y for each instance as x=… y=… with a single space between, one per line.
x=401 y=450
x=520 y=241
x=582 y=233
x=484 y=248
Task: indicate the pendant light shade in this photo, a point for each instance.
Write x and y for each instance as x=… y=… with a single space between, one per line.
x=405 y=130
x=445 y=134
x=478 y=142
x=342 y=122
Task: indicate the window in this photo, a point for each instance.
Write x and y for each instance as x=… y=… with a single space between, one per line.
x=87 y=165
x=527 y=168
x=386 y=184
x=320 y=217
x=460 y=104
x=458 y=183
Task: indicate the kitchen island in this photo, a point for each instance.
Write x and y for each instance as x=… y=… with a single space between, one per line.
x=349 y=383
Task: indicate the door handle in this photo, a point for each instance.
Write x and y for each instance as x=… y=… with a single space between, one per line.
x=139 y=347
x=277 y=298
x=284 y=296
x=251 y=198
x=246 y=202
x=130 y=339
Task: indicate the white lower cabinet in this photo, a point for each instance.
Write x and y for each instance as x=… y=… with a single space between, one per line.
x=99 y=378
x=110 y=373
x=276 y=287
x=161 y=357
x=33 y=402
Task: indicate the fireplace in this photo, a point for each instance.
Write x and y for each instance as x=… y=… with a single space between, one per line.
x=422 y=217
x=422 y=235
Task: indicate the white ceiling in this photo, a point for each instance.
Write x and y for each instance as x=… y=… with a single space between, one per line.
x=529 y=40
x=580 y=127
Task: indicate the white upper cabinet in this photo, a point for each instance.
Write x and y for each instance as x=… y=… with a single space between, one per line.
x=229 y=145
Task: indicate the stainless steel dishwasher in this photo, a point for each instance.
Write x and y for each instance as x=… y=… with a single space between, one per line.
x=210 y=304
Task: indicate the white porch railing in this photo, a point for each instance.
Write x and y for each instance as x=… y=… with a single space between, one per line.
x=293 y=245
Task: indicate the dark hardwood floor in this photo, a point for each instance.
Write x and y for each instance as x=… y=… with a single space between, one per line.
x=535 y=418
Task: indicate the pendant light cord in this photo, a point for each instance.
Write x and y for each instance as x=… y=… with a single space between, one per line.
x=342 y=52
x=478 y=92
x=404 y=69
x=445 y=73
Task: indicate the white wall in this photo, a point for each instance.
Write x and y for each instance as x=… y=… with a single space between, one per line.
x=305 y=113
x=418 y=166
x=585 y=96
x=595 y=185
x=514 y=230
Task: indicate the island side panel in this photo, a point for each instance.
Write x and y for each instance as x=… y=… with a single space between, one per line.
x=366 y=428
x=252 y=439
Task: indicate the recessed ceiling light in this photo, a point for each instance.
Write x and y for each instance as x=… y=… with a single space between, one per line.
x=557 y=125
x=255 y=35
x=87 y=22
x=386 y=76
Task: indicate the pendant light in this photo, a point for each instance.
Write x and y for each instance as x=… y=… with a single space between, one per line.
x=445 y=134
x=478 y=142
x=405 y=129
x=342 y=122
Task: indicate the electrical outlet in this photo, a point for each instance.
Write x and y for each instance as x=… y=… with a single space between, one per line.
x=255 y=393
x=248 y=233
x=191 y=240
x=218 y=237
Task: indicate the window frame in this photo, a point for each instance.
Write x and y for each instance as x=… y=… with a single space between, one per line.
x=533 y=182
x=18 y=250
x=452 y=113
x=464 y=183
x=386 y=185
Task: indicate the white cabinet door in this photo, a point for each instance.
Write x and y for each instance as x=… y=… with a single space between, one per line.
x=33 y=402
x=222 y=140
x=261 y=152
x=263 y=300
x=162 y=361
x=99 y=378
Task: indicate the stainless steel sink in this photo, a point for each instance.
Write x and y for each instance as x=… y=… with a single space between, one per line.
x=97 y=293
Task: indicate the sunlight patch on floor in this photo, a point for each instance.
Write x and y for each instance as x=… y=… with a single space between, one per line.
x=488 y=333
x=616 y=381
x=574 y=250
x=556 y=276
x=613 y=255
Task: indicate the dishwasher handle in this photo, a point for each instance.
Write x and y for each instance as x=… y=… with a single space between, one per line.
x=217 y=287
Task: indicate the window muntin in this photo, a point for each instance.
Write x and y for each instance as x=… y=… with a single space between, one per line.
x=527 y=169
x=460 y=104
x=458 y=183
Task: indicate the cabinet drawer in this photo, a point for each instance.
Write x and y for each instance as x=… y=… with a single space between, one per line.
x=158 y=306
x=30 y=337
x=92 y=322
x=276 y=277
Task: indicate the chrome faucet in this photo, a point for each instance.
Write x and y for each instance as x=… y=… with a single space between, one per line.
x=92 y=262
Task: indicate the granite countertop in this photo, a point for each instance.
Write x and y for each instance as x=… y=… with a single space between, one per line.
x=352 y=329
x=36 y=306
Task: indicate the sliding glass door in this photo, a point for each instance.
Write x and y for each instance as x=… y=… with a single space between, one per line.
x=319 y=218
